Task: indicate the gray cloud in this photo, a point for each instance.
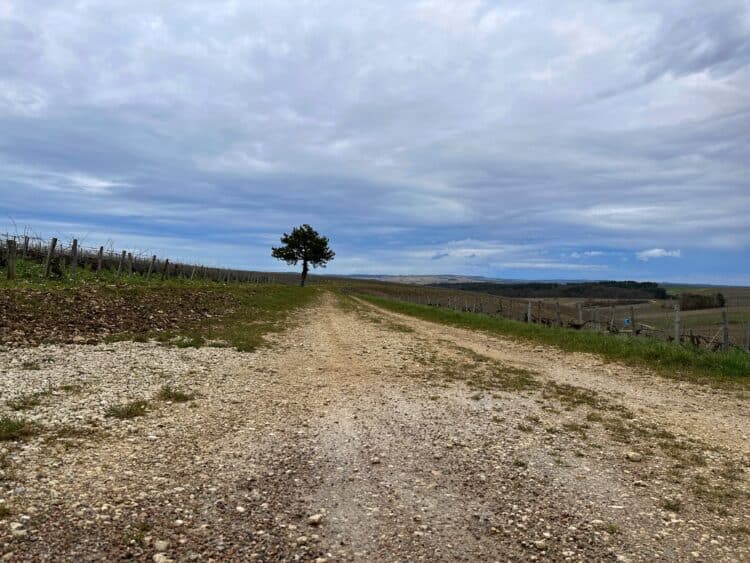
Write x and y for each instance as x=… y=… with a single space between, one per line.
x=405 y=127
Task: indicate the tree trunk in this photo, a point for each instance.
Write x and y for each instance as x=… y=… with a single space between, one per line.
x=304 y=273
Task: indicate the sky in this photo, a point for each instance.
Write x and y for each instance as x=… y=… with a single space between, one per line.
x=528 y=140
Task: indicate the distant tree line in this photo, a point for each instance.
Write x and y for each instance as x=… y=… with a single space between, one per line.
x=693 y=301
x=584 y=290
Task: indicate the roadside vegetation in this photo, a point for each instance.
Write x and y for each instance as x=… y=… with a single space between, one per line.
x=97 y=307
x=676 y=361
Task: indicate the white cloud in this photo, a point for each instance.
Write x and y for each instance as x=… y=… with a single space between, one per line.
x=647 y=255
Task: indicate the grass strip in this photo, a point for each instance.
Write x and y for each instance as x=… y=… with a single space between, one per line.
x=676 y=361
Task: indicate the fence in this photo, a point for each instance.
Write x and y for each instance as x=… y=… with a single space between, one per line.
x=714 y=329
x=57 y=257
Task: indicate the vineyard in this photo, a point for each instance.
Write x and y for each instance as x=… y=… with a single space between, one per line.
x=714 y=329
x=28 y=256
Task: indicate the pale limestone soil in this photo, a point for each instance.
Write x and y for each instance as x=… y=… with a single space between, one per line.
x=716 y=416
x=341 y=417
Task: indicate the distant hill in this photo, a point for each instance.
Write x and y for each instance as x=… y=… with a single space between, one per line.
x=425 y=280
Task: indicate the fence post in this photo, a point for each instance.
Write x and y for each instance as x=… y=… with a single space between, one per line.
x=166 y=268
x=580 y=313
x=747 y=336
x=612 y=320
x=596 y=318
x=632 y=321
x=25 y=246
x=122 y=261
x=151 y=267
x=99 y=259
x=557 y=313
x=192 y=274
x=130 y=263
x=11 y=247
x=677 y=322
x=50 y=254
x=528 y=312
x=74 y=258
x=724 y=329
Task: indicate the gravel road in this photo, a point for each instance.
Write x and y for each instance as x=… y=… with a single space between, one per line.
x=363 y=435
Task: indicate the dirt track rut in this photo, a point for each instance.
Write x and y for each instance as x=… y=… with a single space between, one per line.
x=361 y=435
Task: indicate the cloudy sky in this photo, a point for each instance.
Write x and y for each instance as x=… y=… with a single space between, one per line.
x=535 y=139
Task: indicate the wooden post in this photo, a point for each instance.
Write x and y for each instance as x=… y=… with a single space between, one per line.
x=724 y=330
x=528 y=312
x=539 y=311
x=25 y=246
x=596 y=318
x=632 y=321
x=747 y=336
x=192 y=274
x=165 y=270
x=50 y=254
x=150 y=267
x=11 y=247
x=99 y=259
x=677 y=322
x=120 y=264
x=74 y=258
x=612 y=319
x=580 y=313
x=557 y=313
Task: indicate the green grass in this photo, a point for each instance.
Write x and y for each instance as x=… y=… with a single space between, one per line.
x=128 y=410
x=12 y=429
x=260 y=310
x=671 y=360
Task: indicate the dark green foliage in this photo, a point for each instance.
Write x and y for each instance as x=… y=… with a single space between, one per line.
x=587 y=290
x=695 y=301
x=304 y=245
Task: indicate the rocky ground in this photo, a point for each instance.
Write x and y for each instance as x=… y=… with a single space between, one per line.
x=363 y=435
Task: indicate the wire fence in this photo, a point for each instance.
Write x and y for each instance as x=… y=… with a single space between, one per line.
x=68 y=259
x=714 y=329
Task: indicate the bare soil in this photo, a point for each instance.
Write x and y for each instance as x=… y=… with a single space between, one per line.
x=363 y=435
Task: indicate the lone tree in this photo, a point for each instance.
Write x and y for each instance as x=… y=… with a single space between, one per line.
x=306 y=245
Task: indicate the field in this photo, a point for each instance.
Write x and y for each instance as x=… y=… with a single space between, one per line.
x=198 y=420
x=654 y=318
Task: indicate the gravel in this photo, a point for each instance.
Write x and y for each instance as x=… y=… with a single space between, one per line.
x=341 y=442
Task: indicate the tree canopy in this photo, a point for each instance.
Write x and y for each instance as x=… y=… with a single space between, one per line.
x=305 y=245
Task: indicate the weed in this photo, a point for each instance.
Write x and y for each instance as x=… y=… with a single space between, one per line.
x=5 y=511
x=26 y=402
x=671 y=504
x=524 y=427
x=168 y=393
x=12 y=429
x=31 y=365
x=128 y=410
x=520 y=463
x=613 y=528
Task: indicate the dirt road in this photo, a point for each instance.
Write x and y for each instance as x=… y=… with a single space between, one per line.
x=363 y=435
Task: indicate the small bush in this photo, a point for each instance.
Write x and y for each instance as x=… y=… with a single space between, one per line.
x=128 y=410
x=168 y=393
x=15 y=429
x=673 y=505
